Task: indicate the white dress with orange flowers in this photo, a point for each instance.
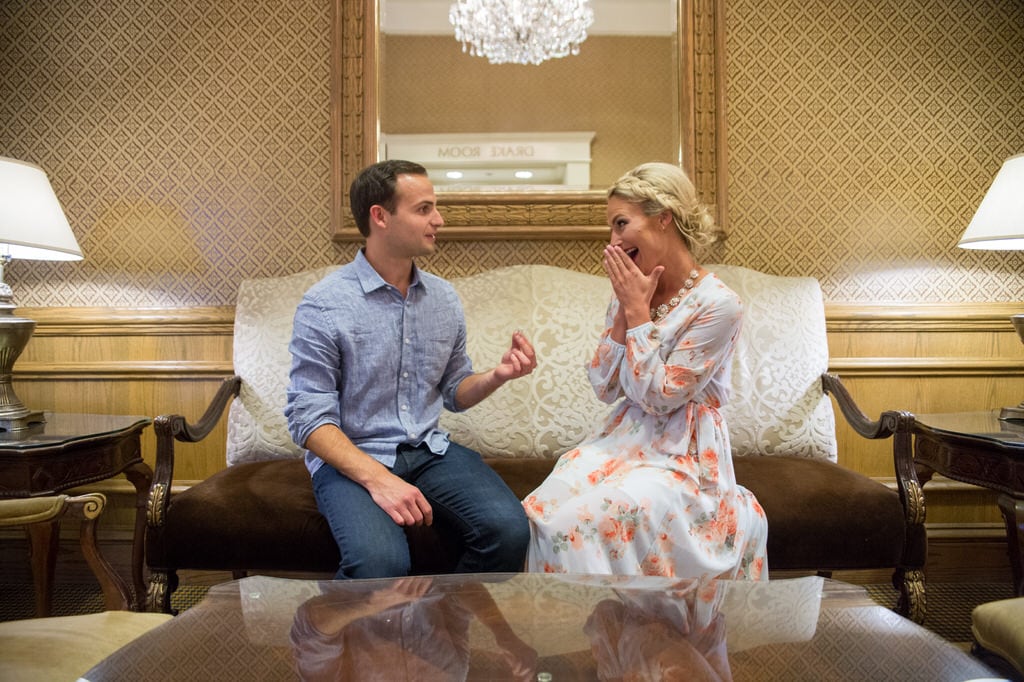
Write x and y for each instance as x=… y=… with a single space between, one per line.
x=654 y=492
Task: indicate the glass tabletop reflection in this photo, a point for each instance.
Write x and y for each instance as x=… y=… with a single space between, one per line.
x=538 y=626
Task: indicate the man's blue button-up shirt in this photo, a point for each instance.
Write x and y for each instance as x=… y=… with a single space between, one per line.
x=377 y=365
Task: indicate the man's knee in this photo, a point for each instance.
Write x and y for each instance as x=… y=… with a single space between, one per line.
x=517 y=530
x=376 y=560
x=510 y=533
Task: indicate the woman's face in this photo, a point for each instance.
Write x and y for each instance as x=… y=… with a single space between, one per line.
x=644 y=238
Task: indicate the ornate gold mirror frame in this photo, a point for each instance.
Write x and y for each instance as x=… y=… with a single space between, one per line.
x=355 y=130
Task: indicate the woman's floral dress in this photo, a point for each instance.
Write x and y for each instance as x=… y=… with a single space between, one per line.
x=654 y=492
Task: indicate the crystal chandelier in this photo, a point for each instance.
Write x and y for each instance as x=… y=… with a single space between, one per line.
x=521 y=31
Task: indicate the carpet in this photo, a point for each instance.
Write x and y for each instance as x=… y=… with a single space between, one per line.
x=949 y=604
x=18 y=601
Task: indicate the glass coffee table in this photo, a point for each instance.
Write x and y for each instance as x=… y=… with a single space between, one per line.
x=538 y=627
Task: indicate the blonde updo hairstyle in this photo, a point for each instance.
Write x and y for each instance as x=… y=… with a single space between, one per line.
x=657 y=187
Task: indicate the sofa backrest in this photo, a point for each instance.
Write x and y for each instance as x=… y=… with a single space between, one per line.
x=778 y=406
x=562 y=314
x=264 y=313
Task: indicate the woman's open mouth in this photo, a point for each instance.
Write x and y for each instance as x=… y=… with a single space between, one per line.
x=632 y=253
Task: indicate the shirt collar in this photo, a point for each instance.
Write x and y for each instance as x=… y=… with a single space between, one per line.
x=371 y=280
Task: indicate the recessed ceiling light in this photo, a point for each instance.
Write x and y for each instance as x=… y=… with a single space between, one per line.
x=524 y=174
x=453 y=175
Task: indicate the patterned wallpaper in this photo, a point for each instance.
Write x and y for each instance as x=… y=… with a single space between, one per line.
x=187 y=139
x=189 y=143
x=862 y=136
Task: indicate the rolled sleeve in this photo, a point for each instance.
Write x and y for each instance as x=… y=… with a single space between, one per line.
x=313 y=398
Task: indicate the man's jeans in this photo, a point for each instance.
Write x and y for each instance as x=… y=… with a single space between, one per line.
x=466 y=496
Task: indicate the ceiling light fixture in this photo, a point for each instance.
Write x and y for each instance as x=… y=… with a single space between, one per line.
x=521 y=31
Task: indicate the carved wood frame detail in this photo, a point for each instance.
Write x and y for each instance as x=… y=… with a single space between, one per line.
x=354 y=115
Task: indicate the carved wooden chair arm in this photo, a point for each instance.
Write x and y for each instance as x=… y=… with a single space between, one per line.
x=174 y=427
x=882 y=428
x=899 y=425
x=894 y=423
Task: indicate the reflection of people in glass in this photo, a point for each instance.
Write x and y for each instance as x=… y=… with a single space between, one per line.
x=406 y=629
x=649 y=636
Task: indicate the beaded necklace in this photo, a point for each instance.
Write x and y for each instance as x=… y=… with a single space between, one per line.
x=662 y=310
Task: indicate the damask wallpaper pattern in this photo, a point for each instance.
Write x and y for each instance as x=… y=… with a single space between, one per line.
x=189 y=142
x=862 y=136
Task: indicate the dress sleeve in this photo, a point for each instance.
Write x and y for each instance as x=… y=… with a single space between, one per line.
x=699 y=344
x=603 y=370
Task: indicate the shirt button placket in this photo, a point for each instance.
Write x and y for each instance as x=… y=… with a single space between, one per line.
x=404 y=389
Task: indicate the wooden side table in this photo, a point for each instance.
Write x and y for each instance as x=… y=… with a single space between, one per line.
x=67 y=451
x=981 y=449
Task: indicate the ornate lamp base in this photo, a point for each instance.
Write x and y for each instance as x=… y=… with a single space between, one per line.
x=14 y=334
x=17 y=425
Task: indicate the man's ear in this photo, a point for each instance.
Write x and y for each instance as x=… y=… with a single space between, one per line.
x=378 y=215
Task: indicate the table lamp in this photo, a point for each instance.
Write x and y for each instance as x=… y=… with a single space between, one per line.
x=998 y=224
x=32 y=226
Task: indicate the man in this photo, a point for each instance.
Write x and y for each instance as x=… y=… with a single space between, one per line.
x=378 y=348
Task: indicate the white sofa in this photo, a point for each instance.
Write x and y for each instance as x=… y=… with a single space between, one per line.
x=821 y=516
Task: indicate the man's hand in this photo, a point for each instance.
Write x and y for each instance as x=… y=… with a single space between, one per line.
x=403 y=502
x=518 y=361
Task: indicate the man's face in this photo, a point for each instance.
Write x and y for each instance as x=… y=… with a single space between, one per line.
x=412 y=227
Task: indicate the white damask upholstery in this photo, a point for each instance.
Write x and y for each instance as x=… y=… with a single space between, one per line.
x=562 y=314
x=778 y=406
x=264 y=313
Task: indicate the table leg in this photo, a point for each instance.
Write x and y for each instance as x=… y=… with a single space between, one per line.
x=141 y=476
x=116 y=595
x=43 y=539
x=1013 y=515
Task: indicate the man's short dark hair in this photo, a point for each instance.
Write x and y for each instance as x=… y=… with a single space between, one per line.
x=376 y=185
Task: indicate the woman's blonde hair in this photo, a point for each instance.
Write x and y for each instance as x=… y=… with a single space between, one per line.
x=657 y=187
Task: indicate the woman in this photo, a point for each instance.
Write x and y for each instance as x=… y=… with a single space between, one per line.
x=654 y=492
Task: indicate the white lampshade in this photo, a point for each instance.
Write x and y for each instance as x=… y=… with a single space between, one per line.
x=32 y=222
x=999 y=221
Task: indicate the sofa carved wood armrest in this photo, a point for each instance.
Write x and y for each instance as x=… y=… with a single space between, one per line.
x=897 y=425
x=170 y=428
x=259 y=513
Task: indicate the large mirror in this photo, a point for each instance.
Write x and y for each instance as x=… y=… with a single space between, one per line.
x=388 y=85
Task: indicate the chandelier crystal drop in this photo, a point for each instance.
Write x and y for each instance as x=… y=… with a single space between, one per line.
x=521 y=31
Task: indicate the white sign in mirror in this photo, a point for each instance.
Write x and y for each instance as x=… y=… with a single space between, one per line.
x=498 y=161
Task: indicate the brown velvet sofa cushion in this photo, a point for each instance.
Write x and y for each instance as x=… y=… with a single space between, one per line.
x=211 y=526
x=820 y=515
x=823 y=515
x=214 y=525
